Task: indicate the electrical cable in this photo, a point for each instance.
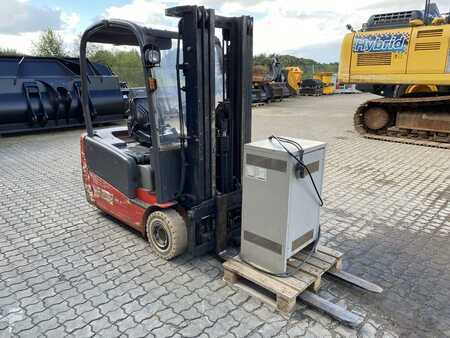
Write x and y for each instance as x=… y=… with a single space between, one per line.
x=299 y=160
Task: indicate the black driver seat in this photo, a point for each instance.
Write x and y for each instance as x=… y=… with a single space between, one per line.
x=140 y=154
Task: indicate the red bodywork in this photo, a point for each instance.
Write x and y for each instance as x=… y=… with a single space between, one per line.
x=106 y=197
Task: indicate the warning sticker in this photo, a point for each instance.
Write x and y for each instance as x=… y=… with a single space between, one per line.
x=257 y=173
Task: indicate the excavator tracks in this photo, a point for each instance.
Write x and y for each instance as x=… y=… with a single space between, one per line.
x=434 y=106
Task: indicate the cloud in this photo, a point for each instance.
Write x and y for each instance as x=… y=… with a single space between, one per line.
x=220 y=3
x=21 y=43
x=308 y=28
x=22 y=17
x=315 y=29
x=321 y=52
x=280 y=25
x=144 y=12
x=398 y=5
x=70 y=21
x=22 y=22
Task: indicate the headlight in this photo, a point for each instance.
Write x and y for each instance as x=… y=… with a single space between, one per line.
x=152 y=56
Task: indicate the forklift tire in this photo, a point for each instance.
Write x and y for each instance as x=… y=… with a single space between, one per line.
x=167 y=233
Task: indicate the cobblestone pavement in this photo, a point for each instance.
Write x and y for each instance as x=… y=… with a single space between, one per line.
x=67 y=269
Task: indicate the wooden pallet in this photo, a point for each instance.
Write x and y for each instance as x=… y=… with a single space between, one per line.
x=282 y=292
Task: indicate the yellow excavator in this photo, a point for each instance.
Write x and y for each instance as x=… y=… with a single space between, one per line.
x=274 y=82
x=329 y=81
x=404 y=57
x=293 y=77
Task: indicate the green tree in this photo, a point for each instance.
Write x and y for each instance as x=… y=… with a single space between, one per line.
x=49 y=43
x=8 y=51
x=126 y=64
x=308 y=66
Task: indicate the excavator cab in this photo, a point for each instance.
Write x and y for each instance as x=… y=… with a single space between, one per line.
x=174 y=171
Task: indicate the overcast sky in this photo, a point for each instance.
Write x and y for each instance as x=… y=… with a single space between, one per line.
x=310 y=29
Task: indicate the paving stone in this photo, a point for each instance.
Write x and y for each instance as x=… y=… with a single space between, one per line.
x=151 y=323
x=216 y=330
x=82 y=308
x=170 y=317
x=272 y=329
x=57 y=332
x=297 y=329
x=116 y=315
x=74 y=324
x=67 y=315
x=147 y=311
x=99 y=300
x=386 y=207
x=132 y=307
x=35 y=308
x=84 y=332
x=191 y=314
x=91 y=315
x=111 y=331
x=138 y=331
x=30 y=333
x=48 y=325
x=318 y=330
x=196 y=327
x=108 y=307
x=165 y=331
x=247 y=325
x=100 y=324
x=125 y=324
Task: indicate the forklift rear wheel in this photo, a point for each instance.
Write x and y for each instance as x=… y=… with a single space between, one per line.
x=167 y=233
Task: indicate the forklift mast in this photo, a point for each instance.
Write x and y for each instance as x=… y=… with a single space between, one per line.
x=200 y=172
x=217 y=131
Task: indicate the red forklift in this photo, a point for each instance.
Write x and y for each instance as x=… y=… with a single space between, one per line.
x=174 y=172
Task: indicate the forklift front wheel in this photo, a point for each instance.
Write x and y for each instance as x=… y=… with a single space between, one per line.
x=167 y=233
